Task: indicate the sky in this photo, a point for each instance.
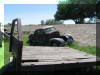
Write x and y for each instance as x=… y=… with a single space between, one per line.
x=29 y=13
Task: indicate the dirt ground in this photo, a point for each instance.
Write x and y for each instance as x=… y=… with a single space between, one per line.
x=85 y=34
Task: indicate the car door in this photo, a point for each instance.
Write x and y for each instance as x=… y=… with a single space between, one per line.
x=39 y=35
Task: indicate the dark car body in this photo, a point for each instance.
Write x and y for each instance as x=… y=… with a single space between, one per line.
x=47 y=36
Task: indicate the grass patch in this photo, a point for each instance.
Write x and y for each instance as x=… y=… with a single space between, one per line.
x=25 y=41
x=2 y=55
x=26 y=32
x=87 y=49
x=7 y=54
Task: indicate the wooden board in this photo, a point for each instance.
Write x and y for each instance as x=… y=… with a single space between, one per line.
x=55 y=55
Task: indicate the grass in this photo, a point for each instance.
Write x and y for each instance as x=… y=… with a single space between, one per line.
x=87 y=49
x=2 y=55
x=26 y=32
x=25 y=42
x=7 y=54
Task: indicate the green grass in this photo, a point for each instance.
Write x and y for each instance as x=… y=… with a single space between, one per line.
x=26 y=32
x=87 y=49
x=7 y=54
x=2 y=55
x=25 y=41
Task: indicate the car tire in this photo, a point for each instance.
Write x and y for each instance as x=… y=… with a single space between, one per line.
x=54 y=44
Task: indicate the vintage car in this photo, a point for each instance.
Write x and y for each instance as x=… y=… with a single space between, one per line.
x=48 y=35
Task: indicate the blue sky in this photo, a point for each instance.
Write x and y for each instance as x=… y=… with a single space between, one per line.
x=29 y=13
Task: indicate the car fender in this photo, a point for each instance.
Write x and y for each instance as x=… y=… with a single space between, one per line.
x=70 y=38
x=57 y=40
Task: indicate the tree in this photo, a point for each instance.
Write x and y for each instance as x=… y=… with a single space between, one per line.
x=51 y=22
x=9 y=24
x=98 y=9
x=76 y=10
x=42 y=22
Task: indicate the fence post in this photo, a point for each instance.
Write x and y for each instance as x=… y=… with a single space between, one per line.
x=16 y=44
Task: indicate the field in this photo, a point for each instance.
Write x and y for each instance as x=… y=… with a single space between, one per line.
x=84 y=34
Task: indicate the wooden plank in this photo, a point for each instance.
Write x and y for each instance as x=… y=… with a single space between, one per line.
x=55 y=58
x=47 y=55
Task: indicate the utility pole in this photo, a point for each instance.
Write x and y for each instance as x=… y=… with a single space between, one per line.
x=0 y=36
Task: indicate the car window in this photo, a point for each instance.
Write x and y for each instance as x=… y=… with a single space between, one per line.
x=50 y=29
x=40 y=31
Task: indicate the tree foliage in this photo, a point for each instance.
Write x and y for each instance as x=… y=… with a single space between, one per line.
x=51 y=22
x=42 y=22
x=76 y=10
x=9 y=24
x=98 y=9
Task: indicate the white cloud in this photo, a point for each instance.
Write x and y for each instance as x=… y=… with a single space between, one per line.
x=29 y=1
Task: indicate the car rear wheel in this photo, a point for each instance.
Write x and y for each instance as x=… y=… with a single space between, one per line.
x=54 y=44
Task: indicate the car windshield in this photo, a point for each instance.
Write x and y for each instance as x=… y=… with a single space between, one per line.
x=50 y=29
